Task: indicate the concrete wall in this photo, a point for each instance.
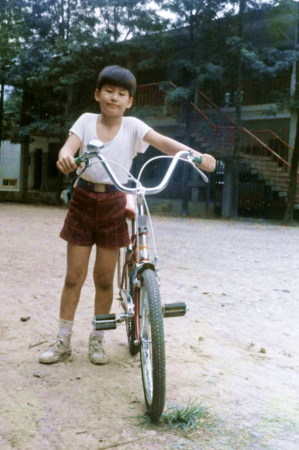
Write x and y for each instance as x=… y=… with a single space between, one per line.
x=259 y=117
x=260 y=120
x=10 y=155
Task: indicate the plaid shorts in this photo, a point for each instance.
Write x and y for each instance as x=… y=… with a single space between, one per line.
x=96 y=218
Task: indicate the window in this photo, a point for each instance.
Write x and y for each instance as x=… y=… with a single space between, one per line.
x=10 y=182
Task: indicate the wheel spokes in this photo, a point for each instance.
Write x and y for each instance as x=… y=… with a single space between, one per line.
x=146 y=347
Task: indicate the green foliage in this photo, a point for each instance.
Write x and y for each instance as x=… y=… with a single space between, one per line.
x=193 y=12
x=11 y=118
x=12 y=32
x=178 y=95
x=209 y=72
x=128 y=18
x=59 y=47
x=55 y=49
x=269 y=61
x=281 y=22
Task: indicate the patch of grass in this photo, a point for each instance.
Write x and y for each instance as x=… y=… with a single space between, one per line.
x=187 y=418
x=193 y=417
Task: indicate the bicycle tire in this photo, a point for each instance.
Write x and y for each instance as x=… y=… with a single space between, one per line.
x=152 y=348
x=124 y=282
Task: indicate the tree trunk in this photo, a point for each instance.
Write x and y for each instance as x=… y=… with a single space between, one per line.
x=292 y=188
x=230 y=189
x=186 y=167
x=232 y=176
x=24 y=120
x=1 y=109
x=24 y=167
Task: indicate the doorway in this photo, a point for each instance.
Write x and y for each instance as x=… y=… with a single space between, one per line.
x=37 y=172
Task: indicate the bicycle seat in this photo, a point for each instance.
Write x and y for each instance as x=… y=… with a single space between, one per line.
x=131 y=206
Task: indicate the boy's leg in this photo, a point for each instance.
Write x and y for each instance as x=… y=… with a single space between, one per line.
x=104 y=269
x=77 y=265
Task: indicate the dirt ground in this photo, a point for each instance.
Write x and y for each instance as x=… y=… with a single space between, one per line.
x=236 y=351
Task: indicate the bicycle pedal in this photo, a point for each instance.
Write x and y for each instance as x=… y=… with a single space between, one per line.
x=104 y=322
x=174 y=309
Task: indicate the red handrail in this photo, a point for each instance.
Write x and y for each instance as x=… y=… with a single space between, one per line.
x=276 y=137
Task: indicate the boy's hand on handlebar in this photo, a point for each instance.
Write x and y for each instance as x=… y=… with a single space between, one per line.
x=208 y=162
x=66 y=164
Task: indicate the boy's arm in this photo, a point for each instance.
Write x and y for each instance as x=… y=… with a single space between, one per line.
x=171 y=147
x=66 y=163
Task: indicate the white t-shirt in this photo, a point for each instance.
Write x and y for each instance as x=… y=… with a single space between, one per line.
x=121 y=149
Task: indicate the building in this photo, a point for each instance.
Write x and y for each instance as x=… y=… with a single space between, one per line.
x=41 y=169
x=264 y=143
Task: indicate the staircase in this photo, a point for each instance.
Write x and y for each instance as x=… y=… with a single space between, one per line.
x=261 y=159
x=215 y=132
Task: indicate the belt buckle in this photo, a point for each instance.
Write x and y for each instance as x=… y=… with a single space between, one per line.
x=99 y=187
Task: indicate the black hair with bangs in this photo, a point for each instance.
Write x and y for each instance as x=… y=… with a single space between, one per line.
x=117 y=76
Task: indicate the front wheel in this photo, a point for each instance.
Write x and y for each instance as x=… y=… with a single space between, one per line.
x=152 y=348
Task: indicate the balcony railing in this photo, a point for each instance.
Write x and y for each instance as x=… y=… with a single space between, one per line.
x=152 y=94
x=255 y=92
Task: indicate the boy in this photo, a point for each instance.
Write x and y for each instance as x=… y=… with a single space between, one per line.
x=97 y=212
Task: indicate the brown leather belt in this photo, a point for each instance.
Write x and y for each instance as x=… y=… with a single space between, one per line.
x=95 y=187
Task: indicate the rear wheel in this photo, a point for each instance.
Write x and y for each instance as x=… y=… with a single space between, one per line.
x=124 y=283
x=152 y=349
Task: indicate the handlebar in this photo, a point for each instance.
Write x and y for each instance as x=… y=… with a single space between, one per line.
x=94 y=148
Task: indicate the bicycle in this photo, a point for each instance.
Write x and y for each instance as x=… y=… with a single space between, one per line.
x=138 y=282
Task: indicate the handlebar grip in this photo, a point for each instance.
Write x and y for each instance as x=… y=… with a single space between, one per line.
x=197 y=160
x=79 y=160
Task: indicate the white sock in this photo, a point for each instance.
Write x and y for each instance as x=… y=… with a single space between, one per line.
x=65 y=327
x=95 y=332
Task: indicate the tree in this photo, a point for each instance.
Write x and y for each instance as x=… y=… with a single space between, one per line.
x=65 y=44
x=49 y=31
x=192 y=60
x=293 y=183
x=278 y=59
x=243 y=57
x=194 y=24
x=231 y=186
x=12 y=33
x=124 y=19
x=60 y=36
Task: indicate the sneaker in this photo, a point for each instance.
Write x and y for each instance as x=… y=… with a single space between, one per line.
x=97 y=354
x=60 y=350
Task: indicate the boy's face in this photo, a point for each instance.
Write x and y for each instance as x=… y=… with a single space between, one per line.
x=113 y=100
